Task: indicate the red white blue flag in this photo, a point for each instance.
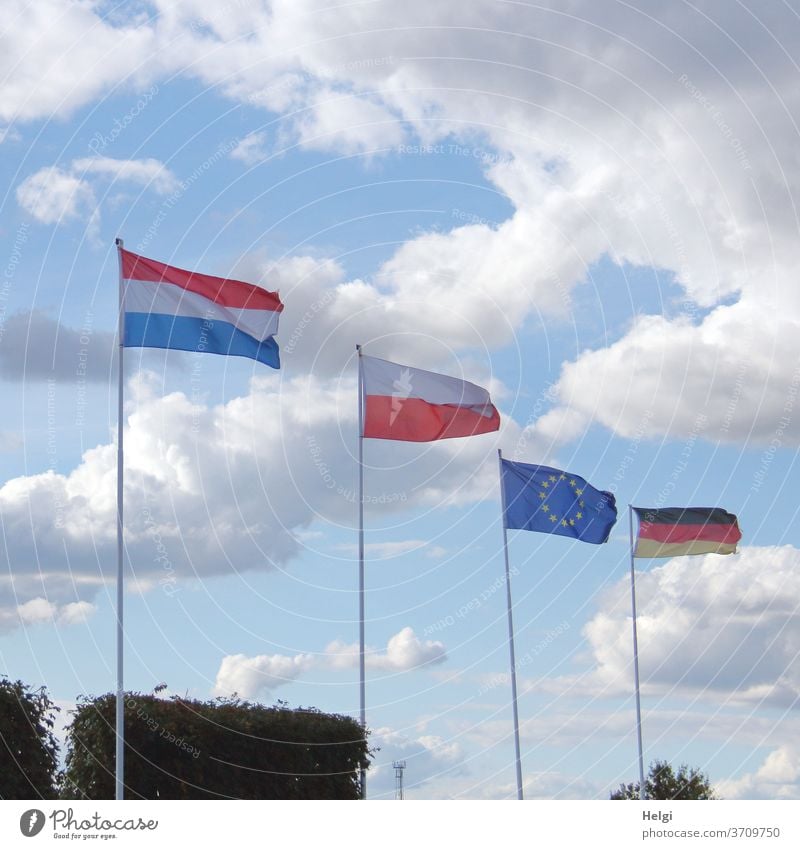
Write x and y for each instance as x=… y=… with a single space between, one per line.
x=169 y=307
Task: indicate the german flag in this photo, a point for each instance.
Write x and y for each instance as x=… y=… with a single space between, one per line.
x=674 y=531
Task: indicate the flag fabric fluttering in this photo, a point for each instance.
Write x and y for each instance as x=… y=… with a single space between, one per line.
x=674 y=531
x=550 y=501
x=412 y=405
x=169 y=307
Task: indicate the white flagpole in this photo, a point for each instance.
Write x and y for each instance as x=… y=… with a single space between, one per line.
x=642 y=786
x=120 y=714
x=510 y=633
x=361 y=642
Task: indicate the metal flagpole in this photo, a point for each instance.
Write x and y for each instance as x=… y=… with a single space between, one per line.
x=642 y=786
x=361 y=643
x=120 y=716
x=510 y=632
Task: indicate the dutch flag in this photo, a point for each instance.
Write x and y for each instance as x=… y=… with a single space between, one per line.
x=169 y=307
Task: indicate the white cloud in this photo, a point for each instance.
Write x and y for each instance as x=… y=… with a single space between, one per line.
x=677 y=184
x=36 y=610
x=220 y=489
x=346 y=122
x=39 y=610
x=249 y=676
x=52 y=195
x=59 y=55
x=9 y=134
x=678 y=378
x=251 y=149
x=429 y=759
x=151 y=173
x=76 y=612
x=404 y=651
x=778 y=777
x=721 y=627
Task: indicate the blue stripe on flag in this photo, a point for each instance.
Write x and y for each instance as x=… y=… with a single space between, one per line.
x=182 y=333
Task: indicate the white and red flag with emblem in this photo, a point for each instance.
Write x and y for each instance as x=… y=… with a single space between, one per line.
x=412 y=405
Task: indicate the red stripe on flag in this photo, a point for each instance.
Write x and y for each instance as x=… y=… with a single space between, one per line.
x=220 y=290
x=689 y=533
x=415 y=420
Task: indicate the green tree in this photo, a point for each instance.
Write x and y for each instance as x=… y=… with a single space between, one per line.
x=664 y=783
x=226 y=748
x=28 y=749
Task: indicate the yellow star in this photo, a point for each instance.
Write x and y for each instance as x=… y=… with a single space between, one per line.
x=564 y=522
x=543 y=495
x=545 y=508
x=579 y=515
x=545 y=484
x=553 y=478
x=562 y=476
x=572 y=521
x=578 y=492
x=572 y=482
x=581 y=504
x=553 y=517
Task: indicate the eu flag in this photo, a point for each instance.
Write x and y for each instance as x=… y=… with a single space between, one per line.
x=538 y=498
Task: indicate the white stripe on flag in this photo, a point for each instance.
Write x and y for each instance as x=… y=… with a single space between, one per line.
x=165 y=299
x=384 y=378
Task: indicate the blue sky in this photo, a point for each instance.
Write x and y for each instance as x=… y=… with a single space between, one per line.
x=586 y=208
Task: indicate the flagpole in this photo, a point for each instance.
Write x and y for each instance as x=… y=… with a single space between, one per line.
x=642 y=786
x=361 y=641
x=120 y=707
x=510 y=633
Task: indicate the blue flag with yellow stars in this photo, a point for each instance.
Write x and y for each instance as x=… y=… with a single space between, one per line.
x=538 y=498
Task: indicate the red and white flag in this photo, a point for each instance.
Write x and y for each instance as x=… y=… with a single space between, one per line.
x=412 y=405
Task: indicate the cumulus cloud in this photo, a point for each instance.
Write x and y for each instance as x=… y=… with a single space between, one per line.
x=722 y=627
x=54 y=194
x=778 y=777
x=40 y=610
x=676 y=378
x=60 y=55
x=151 y=173
x=404 y=651
x=251 y=149
x=344 y=121
x=249 y=676
x=676 y=185
x=429 y=758
x=208 y=493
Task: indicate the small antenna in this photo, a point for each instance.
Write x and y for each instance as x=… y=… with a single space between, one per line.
x=399 y=766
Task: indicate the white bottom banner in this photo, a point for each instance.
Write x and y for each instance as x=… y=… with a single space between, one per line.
x=386 y=825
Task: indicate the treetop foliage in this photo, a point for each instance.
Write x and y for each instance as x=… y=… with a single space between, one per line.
x=663 y=782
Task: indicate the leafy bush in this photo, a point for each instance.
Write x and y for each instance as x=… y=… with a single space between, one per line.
x=227 y=748
x=28 y=749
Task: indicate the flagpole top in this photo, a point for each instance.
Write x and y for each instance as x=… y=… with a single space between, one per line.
x=118 y=242
x=358 y=348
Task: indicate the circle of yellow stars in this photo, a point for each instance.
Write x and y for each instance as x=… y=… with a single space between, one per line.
x=566 y=520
